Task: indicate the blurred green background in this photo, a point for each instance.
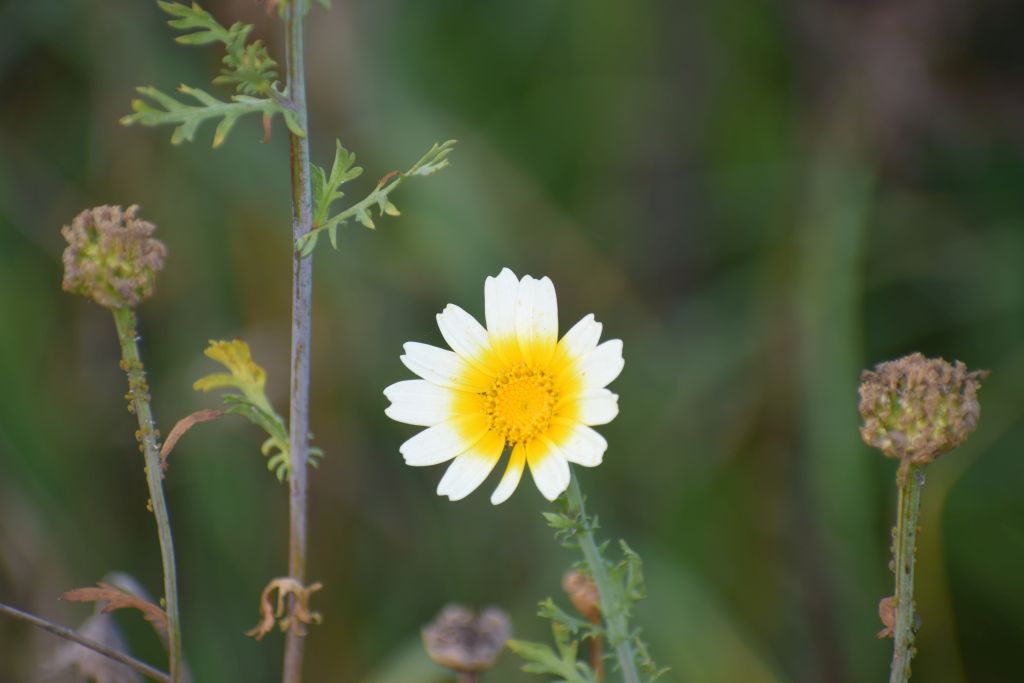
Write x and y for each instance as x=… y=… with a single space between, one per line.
x=760 y=198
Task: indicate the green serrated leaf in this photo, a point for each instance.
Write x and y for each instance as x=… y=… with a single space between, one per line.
x=247 y=65
x=541 y=659
x=344 y=170
x=188 y=117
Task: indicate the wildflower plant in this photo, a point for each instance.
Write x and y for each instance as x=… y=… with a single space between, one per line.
x=514 y=387
x=914 y=409
x=112 y=259
x=253 y=73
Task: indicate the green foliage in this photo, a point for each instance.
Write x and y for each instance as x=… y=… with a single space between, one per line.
x=620 y=586
x=247 y=66
x=325 y=192
x=560 y=662
x=251 y=401
x=186 y=118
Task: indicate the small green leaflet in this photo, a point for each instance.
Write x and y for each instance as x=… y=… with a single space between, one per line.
x=325 y=192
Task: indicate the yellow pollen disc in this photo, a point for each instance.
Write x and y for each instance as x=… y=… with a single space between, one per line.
x=520 y=403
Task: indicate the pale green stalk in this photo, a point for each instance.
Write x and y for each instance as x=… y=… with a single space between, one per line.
x=904 y=547
x=76 y=637
x=138 y=397
x=612 y=600
x=302 y=298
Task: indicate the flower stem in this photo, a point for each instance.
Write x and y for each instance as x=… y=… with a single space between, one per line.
x=76 y=637
x=911 y=480
x=148 y=436
x=302 y=296
x=609 y=593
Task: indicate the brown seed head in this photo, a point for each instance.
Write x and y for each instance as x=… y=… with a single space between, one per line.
x=110 y=257
x=916 y=408
x=460 y=641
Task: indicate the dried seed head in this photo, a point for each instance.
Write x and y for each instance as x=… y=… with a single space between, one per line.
x=916 y=408
x=110 y=257
x=582 y=593
x=460 y=641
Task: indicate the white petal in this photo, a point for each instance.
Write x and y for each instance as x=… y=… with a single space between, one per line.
x=418 y=402
x=442 y=367
x=537 y=318
x=582 y=338
x=464 y=334
x=471 y=468
x=598 y=407
x=582 y=445
x=548 y=466
x=500 y=305
x=444 y=441
x=602 y=365
x=513 y=473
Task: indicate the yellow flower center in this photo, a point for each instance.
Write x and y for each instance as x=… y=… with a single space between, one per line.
x=520 y=403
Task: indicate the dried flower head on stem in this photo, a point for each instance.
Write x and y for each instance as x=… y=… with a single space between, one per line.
x=464 y=642
x=111 y=256
x=916 y=408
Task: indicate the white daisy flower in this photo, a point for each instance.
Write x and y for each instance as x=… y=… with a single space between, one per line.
x=515 y=385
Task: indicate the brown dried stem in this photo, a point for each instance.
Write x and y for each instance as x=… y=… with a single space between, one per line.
x=75 y=637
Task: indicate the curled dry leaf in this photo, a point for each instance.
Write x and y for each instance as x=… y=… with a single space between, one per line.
x=183 y=425
x=119 y=599
x=887 y=613
x=300 y=613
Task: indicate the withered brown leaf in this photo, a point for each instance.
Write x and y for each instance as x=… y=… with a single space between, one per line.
x=119 y=599
x=183 y=425
x=300 y=613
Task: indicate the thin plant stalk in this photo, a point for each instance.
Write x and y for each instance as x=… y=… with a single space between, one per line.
x=609 y=594
x=138 y=397
x=911 y=481
x=302 y=297
x=76 y=637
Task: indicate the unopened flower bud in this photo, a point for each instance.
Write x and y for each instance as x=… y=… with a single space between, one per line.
x=463 y=642
x=582 y=592
x=111 y=257
x=916 y=408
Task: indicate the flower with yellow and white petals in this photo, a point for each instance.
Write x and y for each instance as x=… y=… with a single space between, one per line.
x=514 y=384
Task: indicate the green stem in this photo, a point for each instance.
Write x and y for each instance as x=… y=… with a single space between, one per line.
x=302 y=312
x=911 y=480
x=148 y=436
x=609 y=593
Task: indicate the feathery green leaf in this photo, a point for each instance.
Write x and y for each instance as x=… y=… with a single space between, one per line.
x=186 y=118
x=325 y=191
